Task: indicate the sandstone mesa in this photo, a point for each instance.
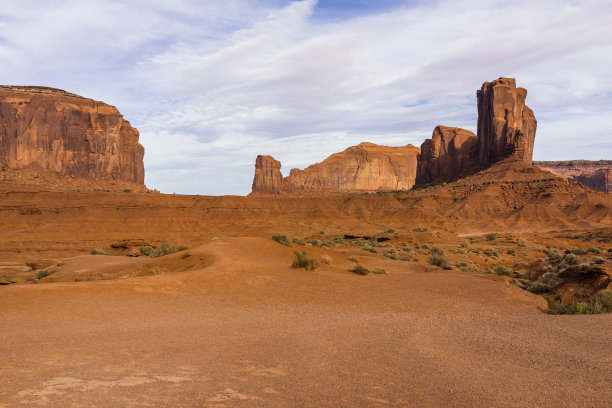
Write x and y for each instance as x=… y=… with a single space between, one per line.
x=506 y=130
x=50 y=130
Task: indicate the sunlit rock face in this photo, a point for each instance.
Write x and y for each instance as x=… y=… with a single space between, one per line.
x=52 y=130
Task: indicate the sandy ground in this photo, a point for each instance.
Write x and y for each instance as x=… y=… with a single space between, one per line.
x=248 y=331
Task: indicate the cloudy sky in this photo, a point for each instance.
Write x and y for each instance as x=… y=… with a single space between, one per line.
x=210 y=83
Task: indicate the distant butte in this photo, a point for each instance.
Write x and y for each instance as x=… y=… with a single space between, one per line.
x=506 y=131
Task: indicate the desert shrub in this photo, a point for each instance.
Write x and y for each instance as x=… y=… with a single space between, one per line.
x=299 y=241
x=511 y=252
x=370 y=249
x=42 y=274
x=547 y=276
x=408 y=249
x=504 y=270
x=597 y=260
x=359 y=270
x=436 y=251
x=571 y=259
x=146 y=250
x=578 y=251
x=553 y=256
x=464 y=244
x=600 y=303
x=405 y=258
x=439 y=261
x=522 y=245
x=127 y=190
x=521 y=283
x=158 y=271
x=314 y=242
x=474 y=240
x=490 y=253
x=491 y=237
x=164 y=248
x=353 y=259
x=594 y=250
x=326 y=259
x=391 y=254
x=425 y=246
x=379 y=271
x=419 y=229
x=460 y=251
x=282 y=239
x=538 y=287
x=185 y=255
x=98 y=251
x=303 y=261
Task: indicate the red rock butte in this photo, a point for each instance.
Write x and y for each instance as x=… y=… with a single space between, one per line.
x=51 y=130
x=506 y=130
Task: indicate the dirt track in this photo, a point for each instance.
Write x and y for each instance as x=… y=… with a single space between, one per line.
x=250 y=331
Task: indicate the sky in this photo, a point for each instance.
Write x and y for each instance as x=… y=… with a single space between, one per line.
x=212 y=84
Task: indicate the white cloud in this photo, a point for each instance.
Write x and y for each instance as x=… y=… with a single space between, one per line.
x=212 y=84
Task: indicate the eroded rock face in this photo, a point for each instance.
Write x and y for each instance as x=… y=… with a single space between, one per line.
x=506 y=126
x=52 y=130
x=596 y=175
x=364 y=168
x=449 y=154
x=268 y=177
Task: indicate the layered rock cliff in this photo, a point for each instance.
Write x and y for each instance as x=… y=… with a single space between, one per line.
x=506 y=126
x=449 y=154
x=596 y=175
x=506 y=130
x=50 y=130
x=363 y=168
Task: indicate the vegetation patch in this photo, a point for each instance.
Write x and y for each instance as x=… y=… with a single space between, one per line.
x=158 y=271
x=98 y=251
x=303 y=261
x=353 y=259
x=42 y=274
x=282 y=239
x=379 y=271
x=359 y=270
x=326 y=259
x=600 y=303
x=164 y=248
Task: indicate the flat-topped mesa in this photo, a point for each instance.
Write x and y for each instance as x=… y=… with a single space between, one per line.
x=451 y=153
x=506 y=126
x=366 y=167
x=47 y=129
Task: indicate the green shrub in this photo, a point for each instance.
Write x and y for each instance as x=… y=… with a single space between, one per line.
x=303 y=261
x=491 y=237
x=522 y=245
x=474 y=240
x=379 y=271
x=571 y=259
x=408 y=249
x=503 y=270
x=146 y=250
x=439 y=261
x=464 y=244
x=97 y=251
x=578 y=251
x=600 y=303
x=419 y=229
x=597 y=260
x=353 y=259
x=299 y=241
x=553 y=256
x=538 y=287
x=425 y=246
x=282 y=239
x=436 y=251
x=359 y=270
x=42 y=274
x=594 y=250
x=490 y=253
x=391 y=254
x=511 y=252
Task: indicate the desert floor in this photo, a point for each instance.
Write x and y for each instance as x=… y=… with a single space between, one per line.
x=247 y=330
